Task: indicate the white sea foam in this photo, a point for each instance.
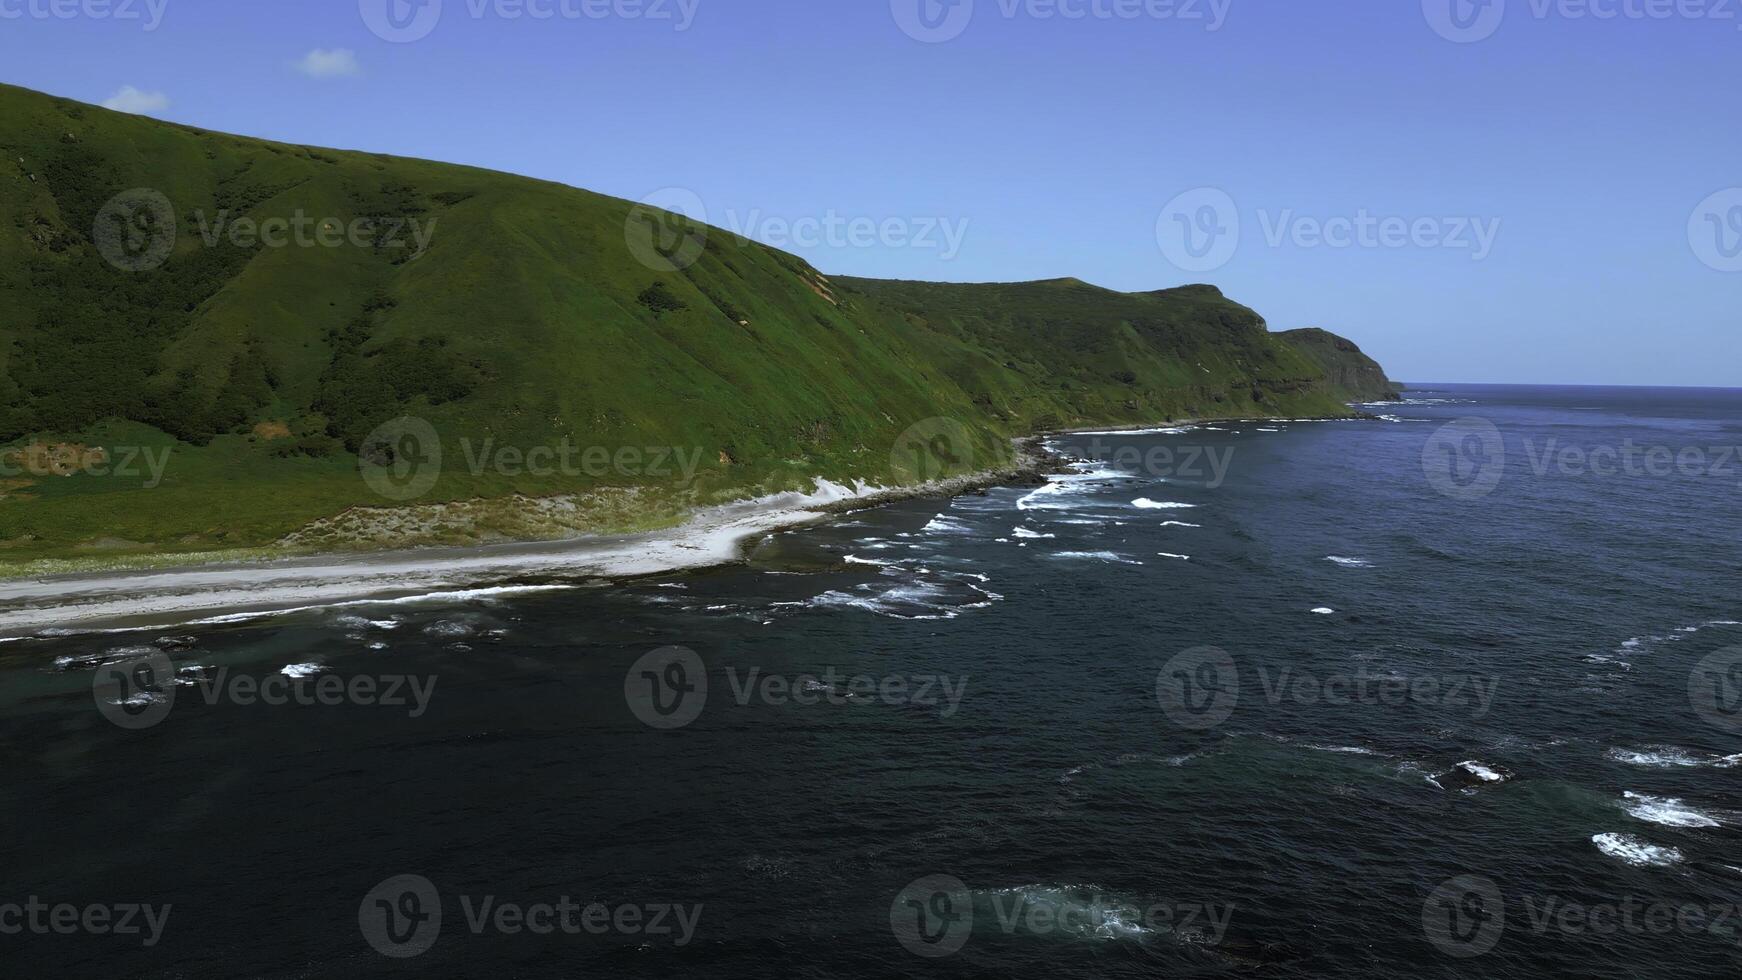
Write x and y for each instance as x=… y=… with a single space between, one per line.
x=1166 y=554
x=920 y=600
x=463 y=595
x=943 y=524
x=1023 y=532
x=1166 y=431
x=1106 y=556
x=1481 y=771
x=1144 y=503
x=1673 y=757
x=300 y=671
x=1323 y=611
x=1666 y=811
x=1083 y=478
x=1636 y=852
x=1177 y=524
x=1675 y=635
x=1077 y=911
x=1349 y=562
x=1346 y=750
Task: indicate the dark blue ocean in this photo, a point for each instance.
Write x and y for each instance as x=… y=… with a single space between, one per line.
x=1457 y=692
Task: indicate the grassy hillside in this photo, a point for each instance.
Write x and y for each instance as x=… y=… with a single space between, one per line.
x=1351 y=374
x=143 y=317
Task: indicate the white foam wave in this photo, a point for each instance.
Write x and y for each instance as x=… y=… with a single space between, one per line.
x=1084 y=912
x=1481 y=771
x=1023 y=532
x=944 y=524
x=1084 y=478
x=920 y=600
x=1636 y=852
x=1349 y=562
x=462 y=595
x=1673 y=757
x=1666 y=811
x=1175 y=430
x=1177 y=524
x=1166 y=554
x=1324 y=611
x=1144 y=503
x=1675 y=635
x=300 y=671
x=1106 y=556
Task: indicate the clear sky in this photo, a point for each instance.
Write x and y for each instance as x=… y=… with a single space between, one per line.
x=1532 y=202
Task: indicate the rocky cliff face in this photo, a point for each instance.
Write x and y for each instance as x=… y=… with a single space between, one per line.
x=1352 y=375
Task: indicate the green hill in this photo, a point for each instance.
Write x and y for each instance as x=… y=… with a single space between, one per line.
x=1352 y=375
x=253 y=312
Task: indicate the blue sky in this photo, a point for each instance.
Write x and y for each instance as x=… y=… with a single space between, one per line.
x=1542 y=200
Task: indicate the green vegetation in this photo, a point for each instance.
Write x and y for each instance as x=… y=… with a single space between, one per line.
x=262 y=368
x=1352 y=375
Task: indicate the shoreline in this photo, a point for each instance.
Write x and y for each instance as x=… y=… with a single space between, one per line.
x=250 y=585
x=213 y=592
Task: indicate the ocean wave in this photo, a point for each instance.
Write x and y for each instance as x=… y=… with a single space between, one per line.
x=1349 y=562
x=1324 y=611
x=1173 y=430
x=944 y=524
x=1144 y=503
x=1666 y=811
x=1673 y=757
x=355 y=622
x=1636 y=852
x=1470 y=775
x=300 y=671
x=1023 y=532
x=1169 y=554
x=1345 y=750
x=1083 y=912
x=1676 y=635
x=458 y=595
x=1084 y=478
x=1177 y=524
x=917 y=600
x=1106 y=556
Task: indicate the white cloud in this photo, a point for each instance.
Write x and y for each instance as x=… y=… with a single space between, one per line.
x=336 y=63
x=130 y=99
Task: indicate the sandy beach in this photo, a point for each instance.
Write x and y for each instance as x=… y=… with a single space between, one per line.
x=233 y=591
